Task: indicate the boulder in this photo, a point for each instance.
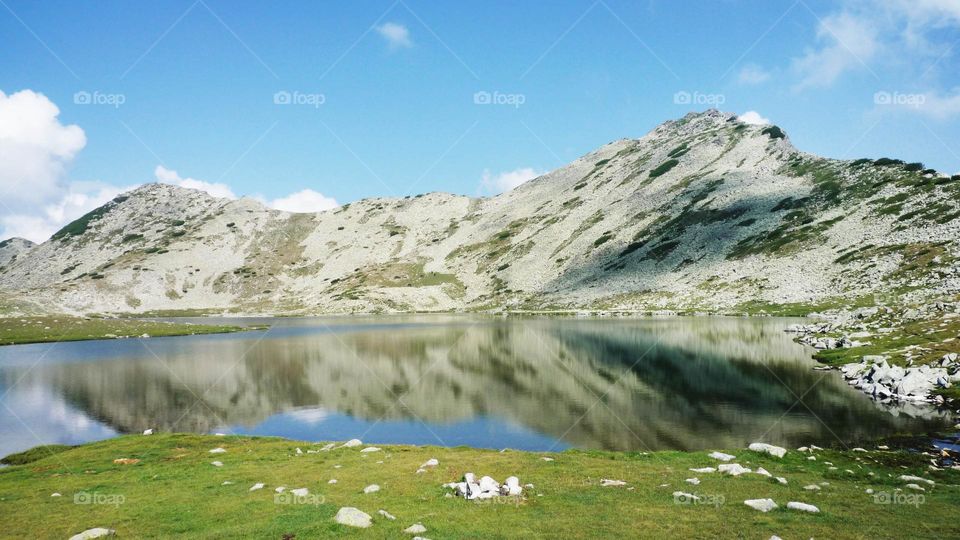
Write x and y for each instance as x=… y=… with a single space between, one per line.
x=721 y=456
x=733 y=469
x=97 y=532
x=256 y=486
x=765 y=448
x=803 y=507
x=351 y=443
x=372 y=488
x=763 y=505
x=386 y=514
x=511 y=486
x=416 y=528
x=704 y=470
x=353 y=517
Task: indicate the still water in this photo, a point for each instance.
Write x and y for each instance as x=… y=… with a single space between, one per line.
x=527 y=383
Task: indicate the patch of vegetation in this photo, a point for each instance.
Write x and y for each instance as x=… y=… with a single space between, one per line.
x=607 y=236
x=679 y=151
x=886 y=162
x=131 y=238
x=81 y=224
x=53 y=328
x=774 y=132
x=663 y=168
x=35 y=454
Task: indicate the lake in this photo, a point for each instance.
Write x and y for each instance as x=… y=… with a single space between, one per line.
x=532 y=383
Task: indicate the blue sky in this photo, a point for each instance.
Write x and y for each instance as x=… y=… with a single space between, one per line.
x=383 y=93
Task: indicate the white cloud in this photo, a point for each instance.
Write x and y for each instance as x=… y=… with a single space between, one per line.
x=850 y=42
x=304 y=201
x=36 y=199
x=505 y=181
x=35 y=149
x=753 y=118
x=397 y=35
x=753 y=74
x=215 y=189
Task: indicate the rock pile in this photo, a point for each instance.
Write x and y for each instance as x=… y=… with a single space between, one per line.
x=874 y=376
x=486 y=488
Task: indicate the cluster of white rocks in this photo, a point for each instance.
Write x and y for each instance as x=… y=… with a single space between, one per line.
x=874 y=376
x=485 y=488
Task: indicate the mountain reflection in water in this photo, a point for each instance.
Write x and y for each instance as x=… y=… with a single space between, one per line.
x=533 y=383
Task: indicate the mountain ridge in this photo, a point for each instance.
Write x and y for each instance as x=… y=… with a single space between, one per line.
x=703 y=212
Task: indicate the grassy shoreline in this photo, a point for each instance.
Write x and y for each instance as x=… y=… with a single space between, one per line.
x=173 y=490
x=54 y=328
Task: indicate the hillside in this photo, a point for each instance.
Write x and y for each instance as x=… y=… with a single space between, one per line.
x=704 y=212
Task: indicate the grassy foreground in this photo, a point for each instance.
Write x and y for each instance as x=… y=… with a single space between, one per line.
x=19 y=330
x=175 y=491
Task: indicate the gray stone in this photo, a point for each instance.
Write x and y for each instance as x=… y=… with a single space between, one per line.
x=97 y=532
x=763 y=505
x=803 y=507
x=353 y=517
x=416 y=528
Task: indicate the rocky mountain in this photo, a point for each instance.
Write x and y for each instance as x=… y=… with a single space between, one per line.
x=702 y=213
x=12 y=248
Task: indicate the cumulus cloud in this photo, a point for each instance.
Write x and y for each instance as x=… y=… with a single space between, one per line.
x=304 y=201
x=753 y=118
x=215 y=189
x=848 y=42
x=35 y=148
x=505 y=181
x=753 y=74
x=397 y=35
x=36 y=199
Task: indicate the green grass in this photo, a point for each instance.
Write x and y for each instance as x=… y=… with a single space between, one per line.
x=173 y=491
x=663 y=168
x=19 y=330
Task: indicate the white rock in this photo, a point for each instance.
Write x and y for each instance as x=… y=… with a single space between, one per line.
x=416 y=528
x=299 y=451
x=782 y=480
x=227 y=483
x=684 y=496
x=372 y=488
x=55 y=495
x=721 y=456
x=300 y=492
x=327 y=447
x=803 y=507
x=763 y=472
x=256 y=486
x=386 y=514
x=511 y=486
x=217 y=463
x=733 y=469
x=148 y=432
x=332 y=481
x=547 y=458
x=812 y=487
x=608 y=483
x=869 y=491
x=280 y=489
x=914 y=487
x=218 y=451
x=694 y=481
x=432 y=462
x=704 y=470
x=911 y=478
x=858 y=449
x=765 y=448
x=89 y=534
x=351 y=443
x=489 y=484
x=421 y=471
x=469 y=478
x=763 y=505
x=369 y=449
x=353 y=517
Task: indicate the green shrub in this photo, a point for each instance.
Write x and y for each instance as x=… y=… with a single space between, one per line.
x=884 y=162
x=664 y=168
x=774 y=132
x=132 y=238
x=913 y=167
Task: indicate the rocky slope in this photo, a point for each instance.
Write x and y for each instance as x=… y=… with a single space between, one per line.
x=12 y=248
x=704 y=212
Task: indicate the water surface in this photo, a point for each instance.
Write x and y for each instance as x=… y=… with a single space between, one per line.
x=526 y=383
